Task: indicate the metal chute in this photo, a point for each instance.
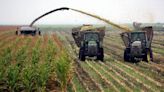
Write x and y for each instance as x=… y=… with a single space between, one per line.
x=92 y=15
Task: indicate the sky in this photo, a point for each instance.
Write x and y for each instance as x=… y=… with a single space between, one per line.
x=118 y=11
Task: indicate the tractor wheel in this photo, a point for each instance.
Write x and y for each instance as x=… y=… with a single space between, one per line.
x=81 y=55
x=101 y=56
x=148 y=55
x=126 y=57
x=39 y=33
x=33 y=33
x=151 y=55
x=17 y=33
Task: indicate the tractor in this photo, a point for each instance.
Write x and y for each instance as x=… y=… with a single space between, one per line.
x=138 y=45
x=26 y=30
x=89 y=40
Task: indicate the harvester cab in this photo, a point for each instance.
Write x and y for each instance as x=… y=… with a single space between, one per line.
x=89 y=39
x=138 y=45
x=26 y=30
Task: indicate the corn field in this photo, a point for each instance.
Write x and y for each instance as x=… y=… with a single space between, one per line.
x=49 y=63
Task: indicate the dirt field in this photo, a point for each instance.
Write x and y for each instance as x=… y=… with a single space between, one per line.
x=6 y=28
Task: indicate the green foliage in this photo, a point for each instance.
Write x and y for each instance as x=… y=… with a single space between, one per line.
x=43 y=75
x=36 y=52
x=29 y=69
x=6 y=57
x=63 y=72
x=22 y=54
x=12 y=77
x=4 y=62
x=29 y=77
x=50 y=51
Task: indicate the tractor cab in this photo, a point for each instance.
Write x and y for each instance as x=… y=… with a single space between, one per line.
x=138 y=38
x=138 y=45
x=89 y=39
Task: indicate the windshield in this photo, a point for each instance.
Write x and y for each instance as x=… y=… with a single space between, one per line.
x=140 y=36
x=91 y=37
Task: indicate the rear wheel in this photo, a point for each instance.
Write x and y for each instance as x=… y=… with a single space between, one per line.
x=39 y=33
x=148 y=55
x=101 y=56
x=126 y=56
x=81 y=54
x=17 y=33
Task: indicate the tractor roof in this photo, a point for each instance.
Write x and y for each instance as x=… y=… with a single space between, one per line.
x=27 y=28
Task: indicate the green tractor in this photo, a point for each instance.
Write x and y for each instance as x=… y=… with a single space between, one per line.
x=89 y=40
x=138 y=45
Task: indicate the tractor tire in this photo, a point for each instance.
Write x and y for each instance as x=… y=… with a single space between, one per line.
x=126 y=57
x=39 y=33
x=101 y=56
x=148 y=55
x=81 y=55
x=151 y=55
x=17 y=33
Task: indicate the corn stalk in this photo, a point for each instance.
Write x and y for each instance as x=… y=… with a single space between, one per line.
x=12 y=78
x=63 y=71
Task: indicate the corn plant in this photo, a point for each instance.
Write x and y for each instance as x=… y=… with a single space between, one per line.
x=43 y=74
x=6 y=57
x=4 y=62
x=12 y=77
x=51 y=51
x=22 y=54
x=36 y=52
x=29 y=78
x=63 y=72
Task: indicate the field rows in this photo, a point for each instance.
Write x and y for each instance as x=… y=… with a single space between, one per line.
x=31 y=64
x=110 y=77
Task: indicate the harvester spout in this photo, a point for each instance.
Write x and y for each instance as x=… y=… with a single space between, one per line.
x=92 y=15
x=58 y=9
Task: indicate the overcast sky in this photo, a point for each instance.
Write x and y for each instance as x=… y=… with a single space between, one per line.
x=118 y=11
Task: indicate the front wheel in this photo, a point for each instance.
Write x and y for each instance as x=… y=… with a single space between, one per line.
x=126 y=55
x=148 y=56
x=17 y=33
x=101 y=56
x=38 y=33
x=81 y=55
